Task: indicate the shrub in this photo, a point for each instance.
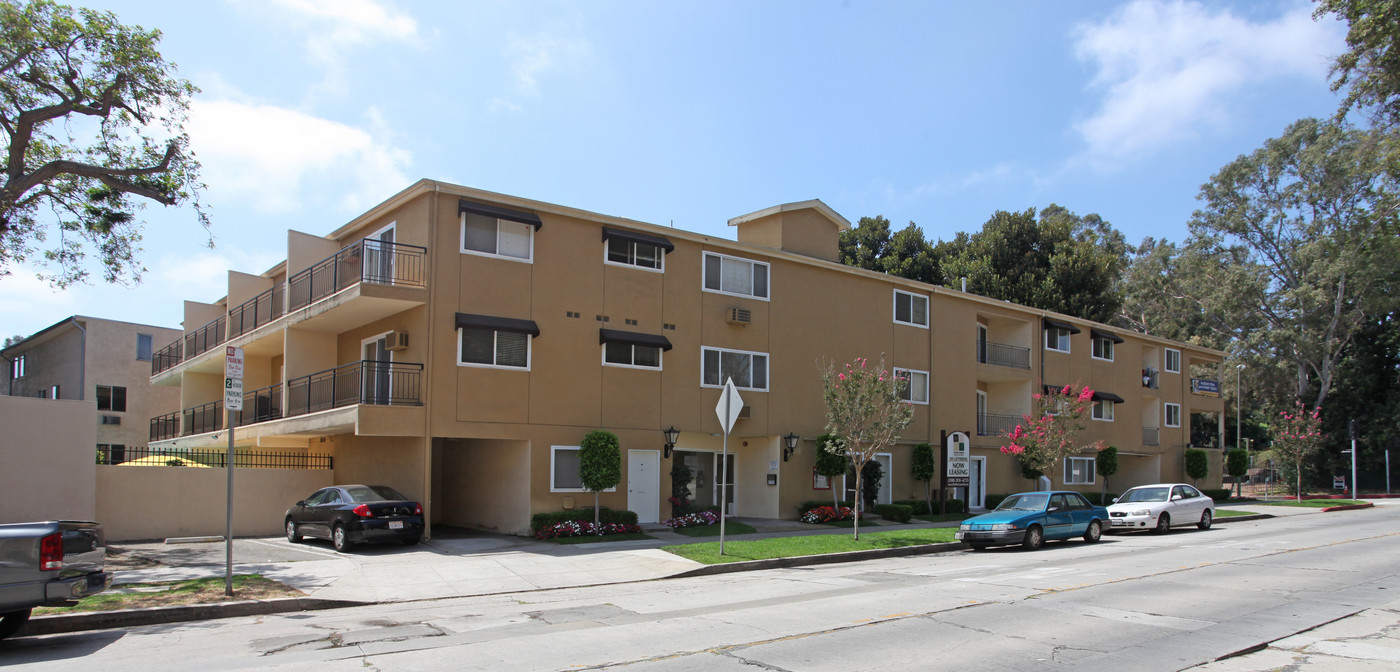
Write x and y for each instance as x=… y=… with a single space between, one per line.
x=1218 y=495
x=1197 y=464
x=707 y=517
x=1100 y=499
x=827 y=514
x=582 y=528
x=606 y=516
x=804 y=507
x=917 y=507
x=956 y=506
x=896 y=512
x=994 y=500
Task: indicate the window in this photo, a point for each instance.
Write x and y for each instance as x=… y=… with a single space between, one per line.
x=111 y=398
x=1103 y=410
x=53 y=392
x=1079 y=471
x=493 y=347
x=143 y=347
x=627 y=354
x=1057 y=338
x=497 y=237
x=1173 y=413
x=748 y=369
x=1103 y=348
x=563 y=470
x=634 y=253
x=732 y=275
x=916 y=388
x=17 y=367
x=911 y=309
x=1173 y=361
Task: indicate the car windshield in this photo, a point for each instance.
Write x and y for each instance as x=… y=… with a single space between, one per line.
x=1022 y=503
x=1146 y=495
x=373 y=493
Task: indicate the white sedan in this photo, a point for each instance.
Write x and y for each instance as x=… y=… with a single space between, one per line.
x=1159 y=507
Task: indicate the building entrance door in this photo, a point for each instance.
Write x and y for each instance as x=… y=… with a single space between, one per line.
x=644 y=484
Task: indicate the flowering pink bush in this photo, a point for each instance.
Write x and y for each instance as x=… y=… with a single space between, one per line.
x=581 y=528
x=693 y=519
x=1051 y=433
x=827 y=514
x=1299 y=436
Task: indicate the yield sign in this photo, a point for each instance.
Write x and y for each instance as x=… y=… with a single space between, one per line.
x=730 y=403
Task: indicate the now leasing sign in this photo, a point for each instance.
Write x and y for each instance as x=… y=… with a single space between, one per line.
x=958 y=472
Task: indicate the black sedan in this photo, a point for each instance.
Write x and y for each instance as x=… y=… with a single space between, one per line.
x=352 y=514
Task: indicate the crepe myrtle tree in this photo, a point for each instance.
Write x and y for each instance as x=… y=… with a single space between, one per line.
x=1298 y=437
x=1041 y=441
x=599 y=465
x=864 y=410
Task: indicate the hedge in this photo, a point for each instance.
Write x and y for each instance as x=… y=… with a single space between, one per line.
x=810 y=504
x=1099 y=499
x=1218 y=495
x=605 y=516
x=896 y=512
x=993 y=501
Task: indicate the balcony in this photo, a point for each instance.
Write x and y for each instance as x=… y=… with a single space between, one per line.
x=1003 y=355
x=996 y=425
x=370 y=383
x=258 y=311
x=1149 y=379
x=168 y=356
x=1151 y=436
x=206 y=338
x=370 y=261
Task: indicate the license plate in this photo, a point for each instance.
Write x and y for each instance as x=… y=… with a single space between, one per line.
x=396 y=524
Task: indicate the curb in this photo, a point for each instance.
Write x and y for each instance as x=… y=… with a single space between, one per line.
x=1241 y=519
x=1348 y=507
x=100 y=620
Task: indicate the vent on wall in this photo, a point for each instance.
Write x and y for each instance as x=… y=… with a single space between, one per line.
x=111 y=420
x=396 y=341
x=746 y=411
x=739 y=316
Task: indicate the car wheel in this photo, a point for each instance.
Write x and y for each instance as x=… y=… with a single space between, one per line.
x=1205 y=520
x=1094 y=533
x=1164 y=524
x=339 y=539
x=11 y=622
x=293 y=535
x=1035 y=538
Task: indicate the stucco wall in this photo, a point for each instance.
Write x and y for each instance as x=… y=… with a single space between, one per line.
x=47 y=452
x=164 y=502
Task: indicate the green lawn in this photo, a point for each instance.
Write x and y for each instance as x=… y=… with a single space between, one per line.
x=1313 y=503
x=1227 y=513
x=730 y=527
x=170 y=593
x=596 y=539
x=935 y=518
x=817 y=544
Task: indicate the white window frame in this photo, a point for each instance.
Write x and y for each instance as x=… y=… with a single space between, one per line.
x=660 y=358
x=1092 y=470
x=1167 y=360
x=1101 y=344
x=767 y=368
x=462 y=231
x=554 y=450
x=17 y=367
x=1097 y=410
x=1167 y=414
x=660 y=256
x=529 y=351
x=894 y=309
x=911 y=399
x=704 y=269
x=1057 y=330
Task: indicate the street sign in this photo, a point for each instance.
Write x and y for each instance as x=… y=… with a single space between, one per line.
x=233 y=379
x=958 y=470
x=729 y=406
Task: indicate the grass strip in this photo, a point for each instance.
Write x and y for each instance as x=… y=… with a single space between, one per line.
x=171 y=593
x=1312 y=503
x=1229 y=513
x=945 y=518
x=730 y=527
x=817 y=544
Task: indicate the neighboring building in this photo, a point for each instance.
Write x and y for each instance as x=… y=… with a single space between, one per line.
x=458 y=344
x=105 y=362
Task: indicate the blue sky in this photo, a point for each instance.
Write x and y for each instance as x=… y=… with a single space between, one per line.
x=690 y=113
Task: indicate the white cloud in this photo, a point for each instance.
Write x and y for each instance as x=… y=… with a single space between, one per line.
x=535 y=57
x=1166 y=68
x=335 y=28
x=278 y=160
x=998 y=174
x=204 y=276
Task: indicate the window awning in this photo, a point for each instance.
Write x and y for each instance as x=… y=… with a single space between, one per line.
x=1049 y=323
x=1106 y=334
x=633 y=236
x=633 y=338
x=530 y=218
x=1107 y=396
x=469 y=321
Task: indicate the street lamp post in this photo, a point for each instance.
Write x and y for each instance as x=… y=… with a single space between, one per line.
x=1239 y=373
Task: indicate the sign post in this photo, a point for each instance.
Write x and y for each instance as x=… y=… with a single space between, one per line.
x=728 y=408
x=233 y=402
x=956 y=449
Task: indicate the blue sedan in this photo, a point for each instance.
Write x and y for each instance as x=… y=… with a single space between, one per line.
x=1031 y=518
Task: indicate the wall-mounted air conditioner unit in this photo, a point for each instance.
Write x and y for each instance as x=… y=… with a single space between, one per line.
x=396 y=341
x=739 y=316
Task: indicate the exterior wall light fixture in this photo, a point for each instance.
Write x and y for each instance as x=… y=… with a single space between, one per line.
x=671 y=435
x=790 y=445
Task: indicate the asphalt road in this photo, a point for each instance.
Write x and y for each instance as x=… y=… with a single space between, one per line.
x=1131 y=602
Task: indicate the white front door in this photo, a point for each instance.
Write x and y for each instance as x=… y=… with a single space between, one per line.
x=886 y=494
x=977 y=482
x=376 y=370
x=644 y=484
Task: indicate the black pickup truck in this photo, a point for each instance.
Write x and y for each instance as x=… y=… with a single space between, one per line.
x=52 y=563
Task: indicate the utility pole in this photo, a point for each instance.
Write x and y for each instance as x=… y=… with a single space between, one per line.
x=1355 y=428
x=1239 y=373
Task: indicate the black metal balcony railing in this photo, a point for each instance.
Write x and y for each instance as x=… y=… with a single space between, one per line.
x=168 y=356
x=257 y=311
x=365 y=382
x=1151 y=436
x=215 y=458
x=203 y=418
x=373 y=261
x=260 y=406
x=1003 y=355
x=165 y=426
x=989 y=424
x=1149 y=378
x=206 y=337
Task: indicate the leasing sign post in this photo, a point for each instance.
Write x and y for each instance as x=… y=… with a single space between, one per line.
x=957 y=455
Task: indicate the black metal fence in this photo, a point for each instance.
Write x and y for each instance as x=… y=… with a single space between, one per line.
x=365 y=382
x=989 y=424
x=373 y=261
x=208 y=336
x=168 y=356
x=205 y=457
x=257 y=311
x=1003 y=355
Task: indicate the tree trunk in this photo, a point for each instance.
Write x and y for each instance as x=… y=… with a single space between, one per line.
x=859 y=499
x=928 y=495
x=595 y=513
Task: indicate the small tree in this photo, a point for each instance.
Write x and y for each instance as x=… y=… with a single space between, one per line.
x=680 y=487
x=1106 y=465
x=831 y=462
x=599 y=465
x=865 y=410
x=924 y=466
x=1299 y=436
x=871 y=475
x=1040 y=441
x=1027 y=472
x=1237 y=466
x=1197 y=464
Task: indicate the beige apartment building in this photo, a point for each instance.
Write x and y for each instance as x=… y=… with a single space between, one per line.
x=458 y=344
